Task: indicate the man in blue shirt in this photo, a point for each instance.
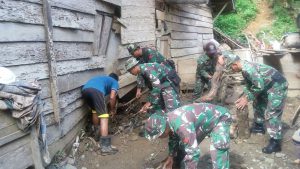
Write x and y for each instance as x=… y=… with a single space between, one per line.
x=94 y=92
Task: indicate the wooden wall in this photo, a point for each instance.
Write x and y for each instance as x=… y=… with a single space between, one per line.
x=183 y=30
x=80 y=49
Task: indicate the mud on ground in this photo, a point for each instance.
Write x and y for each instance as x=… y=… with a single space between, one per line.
x=136 y=152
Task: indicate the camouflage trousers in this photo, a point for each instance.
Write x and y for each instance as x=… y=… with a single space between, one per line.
x=219 y=146
x=169 y=101
x=199 y=87
x=268 y=108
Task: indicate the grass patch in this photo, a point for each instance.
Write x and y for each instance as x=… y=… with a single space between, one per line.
x=282 y=24
x=233 y=24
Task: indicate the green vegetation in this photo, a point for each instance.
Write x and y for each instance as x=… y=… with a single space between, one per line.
x=283 y=22
x=232 y=24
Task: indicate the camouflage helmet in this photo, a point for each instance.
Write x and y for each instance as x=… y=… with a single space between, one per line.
x=155 y=126
x=210 y=49
x=130 y=63
x=229 y=60
x=132 y=47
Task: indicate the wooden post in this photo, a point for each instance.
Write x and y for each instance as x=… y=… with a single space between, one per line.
x=51 y=59
x=35 y=148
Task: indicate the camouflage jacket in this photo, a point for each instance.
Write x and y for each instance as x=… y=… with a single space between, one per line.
x=191 y=123
x=156 y=75
x=205 y=67
x=149 y=56
x=259 y=78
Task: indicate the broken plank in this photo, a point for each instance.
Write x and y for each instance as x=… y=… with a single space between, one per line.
x=105 y=34
x=97 y=33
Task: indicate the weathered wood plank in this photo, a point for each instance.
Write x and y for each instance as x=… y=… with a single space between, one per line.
x=72 y=35
x=207 y=36
x=198 y=10
x=11 y=32
x=18 y=11
x=64 y=143
x=76 y=5
x=184 y=14
x=97 y=33
x=136 y=36
x=67 y=123
x=140 y=24
x=185 y=51
x=20 y=53
x=187 y=21
x=104 y=7
x=6 y=120
x=115 y=2
x=49 y=118
x=177 y=44
x=71 y=19
x=40 y=71
x=52 y=65
x=138 y=3
x=14 y=145
x=10 y=133
x=105 y=33
x=130 y=12
x=189 y=29
x=183 y=36
x=35 y=149
x=74 y=81
x=8 y=160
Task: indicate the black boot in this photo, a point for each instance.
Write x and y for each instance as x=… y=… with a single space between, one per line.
x=273 y=146
x=106 y=149
x=257 y=128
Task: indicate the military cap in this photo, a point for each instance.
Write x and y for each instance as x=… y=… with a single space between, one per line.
x=130 y=63
x=132 y=47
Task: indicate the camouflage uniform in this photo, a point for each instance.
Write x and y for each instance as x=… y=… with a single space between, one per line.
x=267 y=88
x=192 y=123
x=163 y=95
x=150 y=56
x=205 y=68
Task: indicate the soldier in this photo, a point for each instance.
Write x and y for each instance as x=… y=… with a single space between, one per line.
x=191 y=124
x=164 y=94
x=94 y=92
x=148 y=55
x=267 y=88
x=205 y=69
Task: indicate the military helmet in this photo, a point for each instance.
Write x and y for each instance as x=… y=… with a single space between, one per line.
x=229 y=60
x=210 y=49
x=155 y=126
x=132 y=47
x=130 y=63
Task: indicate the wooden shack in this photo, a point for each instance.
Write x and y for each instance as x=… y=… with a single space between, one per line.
x=64 y=43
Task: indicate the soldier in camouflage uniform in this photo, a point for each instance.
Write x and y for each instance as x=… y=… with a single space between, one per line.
x=191 y=124
x=267 y=88
x=205 y=69
x=147 y=55
x=164 y=94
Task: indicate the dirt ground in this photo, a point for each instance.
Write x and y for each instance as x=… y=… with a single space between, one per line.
x=136 y=152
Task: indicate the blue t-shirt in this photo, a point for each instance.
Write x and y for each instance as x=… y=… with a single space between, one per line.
x=104 y=84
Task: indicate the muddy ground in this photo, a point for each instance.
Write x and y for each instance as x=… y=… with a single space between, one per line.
x=136 y=152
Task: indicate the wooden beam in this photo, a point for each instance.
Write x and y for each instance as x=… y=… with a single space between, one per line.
x=187 y=1
x=35 y=149
x=51 y=59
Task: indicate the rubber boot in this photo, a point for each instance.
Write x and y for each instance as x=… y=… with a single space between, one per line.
x=257 y=128
x=106 y=148
x=273 y=146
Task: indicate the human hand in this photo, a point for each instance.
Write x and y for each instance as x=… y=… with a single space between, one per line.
x=169 y=163
x=138 y=93
x=145 y=107
x=241 y=103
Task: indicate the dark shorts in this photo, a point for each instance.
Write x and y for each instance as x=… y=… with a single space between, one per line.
x=95 y=99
